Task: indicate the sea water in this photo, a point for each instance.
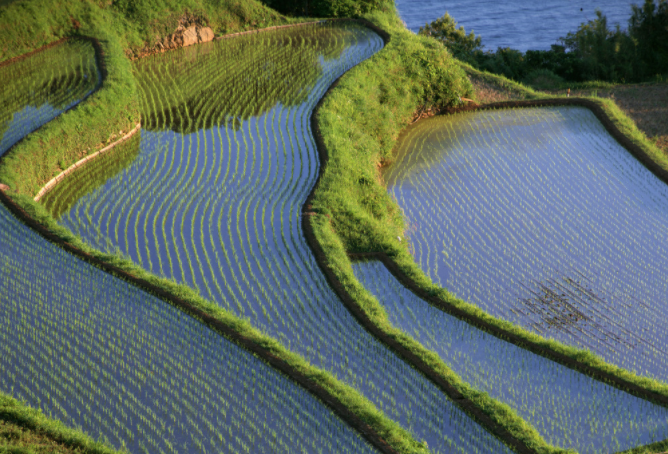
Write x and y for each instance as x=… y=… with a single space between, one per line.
x=516 y=23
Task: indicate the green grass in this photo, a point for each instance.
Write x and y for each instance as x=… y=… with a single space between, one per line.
x=121 y=28
x=394 y=434
x=356 y=215
x=361 y=121
x=26 y=430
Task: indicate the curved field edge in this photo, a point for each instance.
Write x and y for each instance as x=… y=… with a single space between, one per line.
x=347 y=403
x=32 y=26
x=16 y=412
x=402 y=265
x=81 y=131
x=350 y=213
x=319 y=216
x=384 y=434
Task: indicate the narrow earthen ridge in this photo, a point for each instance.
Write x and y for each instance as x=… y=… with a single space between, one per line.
x=101 y=66
x=343 y=412
x=464 y=403
x=248 y=344
x=501 y=333
x=61 y=176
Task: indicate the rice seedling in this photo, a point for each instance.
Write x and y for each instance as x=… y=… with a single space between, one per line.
x=40 y=87
x=213 y=198
x=539 y=217
x=97 y=353
x=568 y=409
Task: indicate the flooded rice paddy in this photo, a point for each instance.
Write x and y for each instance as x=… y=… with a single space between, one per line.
x=213 y=200
x=567 y=408
x=540 y=217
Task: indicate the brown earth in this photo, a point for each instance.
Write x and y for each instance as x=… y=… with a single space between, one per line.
x=645 y=104
x=190 y=30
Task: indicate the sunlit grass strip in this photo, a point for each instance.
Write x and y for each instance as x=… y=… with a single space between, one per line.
x=330 y=252
x=402 y=265
x=27 y=166
x=39 y=86
x=269 y=276
x=34 y=420
x=384 y=434
x=71 y=169
x=570 y=409
x=398 y=258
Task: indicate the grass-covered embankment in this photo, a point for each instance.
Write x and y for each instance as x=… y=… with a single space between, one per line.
x=354 y=214
x=26 y=430
x=74 y=134
x=119 y=29
x=86 y=127
x=350 y=210
x=383 y=433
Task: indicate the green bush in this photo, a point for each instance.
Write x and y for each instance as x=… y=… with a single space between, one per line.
x=543 y=79
x=326 y=8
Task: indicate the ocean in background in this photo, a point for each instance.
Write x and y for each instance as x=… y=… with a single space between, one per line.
x=517 y=24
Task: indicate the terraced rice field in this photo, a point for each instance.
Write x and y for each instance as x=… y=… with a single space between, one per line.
x=213 y=198
x=567 y=408
x=37 y=89
x=97 y=353
x=540 y=217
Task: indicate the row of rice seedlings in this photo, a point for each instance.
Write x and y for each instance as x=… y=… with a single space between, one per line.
x=540 y=217
x=568 y=408
x=218 y=208
x=38 y=88
x=100 y=354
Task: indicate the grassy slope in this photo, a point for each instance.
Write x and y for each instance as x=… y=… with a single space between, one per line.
x=121 y=27
x=360 y=121
x=400 y=80
x=359 y=216
x=25 y=430
x=117 y=95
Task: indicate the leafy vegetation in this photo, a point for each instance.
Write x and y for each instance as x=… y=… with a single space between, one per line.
x=47 y=84
x=98 y=353
x=24 y=430
x=264 y=252
x=222 y=219
x=592 y=53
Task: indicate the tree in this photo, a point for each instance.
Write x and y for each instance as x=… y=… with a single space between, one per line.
x=461 y=45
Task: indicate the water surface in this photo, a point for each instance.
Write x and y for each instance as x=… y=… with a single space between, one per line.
x=540 y=217
x=516 y=24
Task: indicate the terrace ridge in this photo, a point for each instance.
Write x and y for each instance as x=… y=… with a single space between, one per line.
x=463 y=402
x=249 y=344
x=607 y=377
x=621 y=383
x=99 y=60
x=231 y=333
x=61 y=176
